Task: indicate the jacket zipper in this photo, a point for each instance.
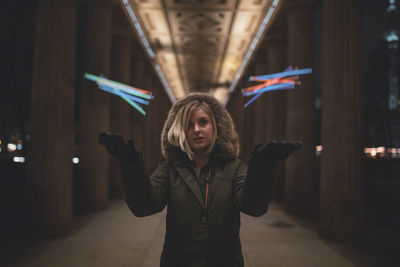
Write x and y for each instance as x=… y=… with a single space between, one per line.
x=208 y=181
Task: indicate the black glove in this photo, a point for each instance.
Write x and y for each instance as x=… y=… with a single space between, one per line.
x=116 y=146
x=274 y=150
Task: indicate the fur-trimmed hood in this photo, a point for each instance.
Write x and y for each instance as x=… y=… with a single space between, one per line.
x=227 y=143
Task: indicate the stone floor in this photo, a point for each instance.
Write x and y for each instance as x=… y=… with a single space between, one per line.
x=115 y=237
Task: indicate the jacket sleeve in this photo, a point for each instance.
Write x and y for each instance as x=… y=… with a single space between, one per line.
x=144 y=196
x=253 y=186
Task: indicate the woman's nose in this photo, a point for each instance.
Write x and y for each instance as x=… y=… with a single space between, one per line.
x=196 y=128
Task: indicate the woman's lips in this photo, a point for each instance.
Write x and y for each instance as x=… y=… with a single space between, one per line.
x=198 y=139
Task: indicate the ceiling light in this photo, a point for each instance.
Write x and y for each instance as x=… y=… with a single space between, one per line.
x=149 y=51
x=252 y=46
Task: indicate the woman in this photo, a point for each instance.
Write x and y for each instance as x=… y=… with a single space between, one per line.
x=202 y=182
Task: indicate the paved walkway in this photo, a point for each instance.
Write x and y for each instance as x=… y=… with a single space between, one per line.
x=115 y=237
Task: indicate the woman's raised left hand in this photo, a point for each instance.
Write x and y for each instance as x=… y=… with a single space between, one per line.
x=116 y=146
x=275 y=150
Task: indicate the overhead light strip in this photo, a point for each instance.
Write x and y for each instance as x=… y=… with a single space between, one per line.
x=253 y=45
x=149 y=50
x=139 y=29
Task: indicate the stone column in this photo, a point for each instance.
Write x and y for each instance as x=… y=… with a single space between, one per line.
x=301 y=114
x=276 y=104
x=138 y=73
x=249 y=115
x=150 y=122
x=235 y=108
x=120 y=119
x=165 y=106
x=342 y=181
x=155 y=112
x=260 y=105
x=93 y=170
x=50 y=174
x=242 y=119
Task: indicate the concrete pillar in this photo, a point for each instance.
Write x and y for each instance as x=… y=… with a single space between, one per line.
x=276 y=105
x=342 y=183
x=250 y=117
x=155 y=116
x=165 y=105
x=301 y=114
x=50 y=174
x=236 y=109
x=120 y=110
x=138 y=73
x=94 y=117
x=260 y=105
x=150 y=121
x=238 y=104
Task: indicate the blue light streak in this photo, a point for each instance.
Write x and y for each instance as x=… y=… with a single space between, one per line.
x=273 y=82
x=128 y=93
x=274 y=87
x=131 y=97
x=281 y=74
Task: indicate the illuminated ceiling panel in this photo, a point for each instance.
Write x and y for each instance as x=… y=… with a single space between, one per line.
x=201 y=45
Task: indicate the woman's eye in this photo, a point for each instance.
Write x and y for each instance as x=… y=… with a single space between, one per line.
x=203 y=122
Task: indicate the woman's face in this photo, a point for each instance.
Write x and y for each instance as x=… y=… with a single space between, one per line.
x=199 y=132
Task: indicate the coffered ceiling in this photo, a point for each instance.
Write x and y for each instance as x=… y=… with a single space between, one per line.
x=200 y=45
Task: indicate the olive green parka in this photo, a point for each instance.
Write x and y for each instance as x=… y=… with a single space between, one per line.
x=199 y=233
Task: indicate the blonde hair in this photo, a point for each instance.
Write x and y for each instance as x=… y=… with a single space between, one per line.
x=177 y=133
